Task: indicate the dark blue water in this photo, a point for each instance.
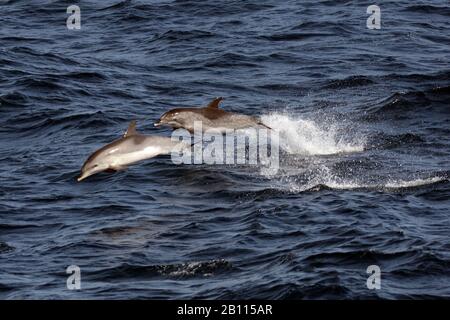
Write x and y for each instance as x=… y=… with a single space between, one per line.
x=364 y=121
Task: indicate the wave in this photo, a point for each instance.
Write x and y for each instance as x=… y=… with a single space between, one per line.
x=295 y=36
x=348 y=172
x=182 y=35
x=218 y=8
x=334 y=183
x=399 y=184
x=350 y=82
x=430 y=9
x=13 y=99
x=31 y=55
x=415 y=78
x=50 y=119
x=183 y=270
x=119 y=5
x=82 y=76
x=5 y=248
x=393 y=184
x=27 y=40
x=322 y=25
x=423 y=261
x=397 y=104
x=231 y=60
x=385 y=141
x=402 y=105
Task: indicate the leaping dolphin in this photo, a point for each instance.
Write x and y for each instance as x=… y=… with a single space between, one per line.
x=129 y=149
x=210 y=116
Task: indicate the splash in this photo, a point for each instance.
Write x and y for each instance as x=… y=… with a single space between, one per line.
x=394 y=184
x=329 y=180
x=306 y=137
x=414 y=183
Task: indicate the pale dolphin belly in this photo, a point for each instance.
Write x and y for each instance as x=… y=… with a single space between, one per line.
x=128 y=158
x=141 y=148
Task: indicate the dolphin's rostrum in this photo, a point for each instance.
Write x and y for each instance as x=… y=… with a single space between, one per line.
x=131 y=148
x=210 y=116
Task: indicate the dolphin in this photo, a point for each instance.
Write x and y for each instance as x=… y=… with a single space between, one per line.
x=129 y=149
x=210 y=116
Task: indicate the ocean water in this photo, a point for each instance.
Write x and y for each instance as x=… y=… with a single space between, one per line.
x=364 y=123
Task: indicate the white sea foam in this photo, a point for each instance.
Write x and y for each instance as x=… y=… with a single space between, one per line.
x=310 y=137
x=339 y=184
x=306 y=137
x=414 y=183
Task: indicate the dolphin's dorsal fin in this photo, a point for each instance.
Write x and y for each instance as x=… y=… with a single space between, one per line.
x=215 y=103
x=131 y=131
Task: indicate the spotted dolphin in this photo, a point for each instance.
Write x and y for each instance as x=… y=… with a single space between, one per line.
x=129 y=149
x=211 y=117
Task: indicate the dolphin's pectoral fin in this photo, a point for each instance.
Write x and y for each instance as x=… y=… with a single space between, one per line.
x=215 y=103
x=262 y=124
x=131 y=131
